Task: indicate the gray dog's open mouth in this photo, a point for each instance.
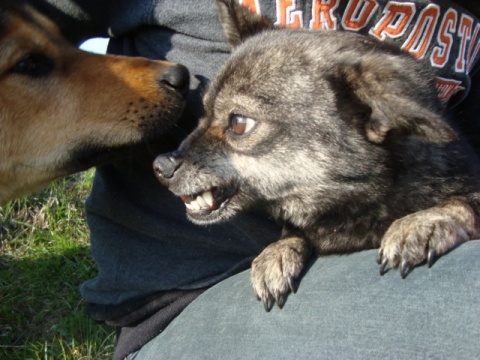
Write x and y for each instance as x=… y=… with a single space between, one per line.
x=206 y=202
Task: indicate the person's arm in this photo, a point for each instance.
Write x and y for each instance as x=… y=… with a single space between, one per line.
x=78 y=19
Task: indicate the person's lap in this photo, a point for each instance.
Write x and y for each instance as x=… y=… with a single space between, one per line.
x=342 y=309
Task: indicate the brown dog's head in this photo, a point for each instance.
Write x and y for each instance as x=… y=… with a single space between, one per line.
x=63 y=110
x=299 y=120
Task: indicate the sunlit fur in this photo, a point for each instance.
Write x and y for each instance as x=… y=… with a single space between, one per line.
x=88 y=105
x=351 y=150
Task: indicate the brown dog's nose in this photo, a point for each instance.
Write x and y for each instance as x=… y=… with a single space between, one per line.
x=165 y=165
x=176 y=77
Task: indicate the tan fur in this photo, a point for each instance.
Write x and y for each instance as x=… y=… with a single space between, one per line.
x=88 y=101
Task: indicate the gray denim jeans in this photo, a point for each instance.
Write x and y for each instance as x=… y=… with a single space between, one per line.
x=343 y=310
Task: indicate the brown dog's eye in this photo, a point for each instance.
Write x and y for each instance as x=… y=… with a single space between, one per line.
x=240 y=125
x=35 y=65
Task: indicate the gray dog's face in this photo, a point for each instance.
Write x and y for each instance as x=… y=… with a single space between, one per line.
x=243 y=152
x=287 y=124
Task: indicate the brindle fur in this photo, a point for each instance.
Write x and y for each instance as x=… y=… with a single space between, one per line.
x=351 y=150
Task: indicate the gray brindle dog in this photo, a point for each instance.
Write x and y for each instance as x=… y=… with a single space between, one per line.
x=339 y=137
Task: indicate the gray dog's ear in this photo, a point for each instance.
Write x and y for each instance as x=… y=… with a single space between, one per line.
x=398 y=101
x=240 y=23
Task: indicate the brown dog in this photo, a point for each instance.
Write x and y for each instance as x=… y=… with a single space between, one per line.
x=63 y=110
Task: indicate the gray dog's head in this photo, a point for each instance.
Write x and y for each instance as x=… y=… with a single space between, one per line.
x=298 y=117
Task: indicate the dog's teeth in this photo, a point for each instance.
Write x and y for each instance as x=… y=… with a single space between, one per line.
x=208 y=197
x=201 y=202
x=204 y=200
x=194 y=205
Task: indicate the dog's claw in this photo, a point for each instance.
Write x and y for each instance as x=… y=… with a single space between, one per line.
x=432 y=256
x=268 y=303
x=280 y=301
x=405 y=269
x=383 y=266
x=292 y=284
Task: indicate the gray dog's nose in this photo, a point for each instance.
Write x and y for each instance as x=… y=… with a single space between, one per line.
x=165 y=165
x=176 y=77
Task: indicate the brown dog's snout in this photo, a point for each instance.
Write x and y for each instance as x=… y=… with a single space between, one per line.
x=165 y=165
x=176 y=77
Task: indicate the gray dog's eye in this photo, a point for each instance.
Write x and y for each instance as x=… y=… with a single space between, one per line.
x=240 y=125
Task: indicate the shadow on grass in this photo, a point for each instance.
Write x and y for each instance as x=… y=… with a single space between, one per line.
x=41 y=312
x=44 y=257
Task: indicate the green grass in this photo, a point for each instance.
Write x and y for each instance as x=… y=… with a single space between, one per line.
x=44 y=257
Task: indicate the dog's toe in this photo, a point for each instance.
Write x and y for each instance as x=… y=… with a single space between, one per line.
x=418 y=238
x=275 y=270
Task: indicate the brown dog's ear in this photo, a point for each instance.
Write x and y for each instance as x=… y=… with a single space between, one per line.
x=400 y=101
x=240 y=23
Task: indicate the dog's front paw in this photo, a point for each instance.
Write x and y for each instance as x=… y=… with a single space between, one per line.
x=423 y=236
x=276 y=269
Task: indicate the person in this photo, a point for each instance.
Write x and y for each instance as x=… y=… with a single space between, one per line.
x=157 y=269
